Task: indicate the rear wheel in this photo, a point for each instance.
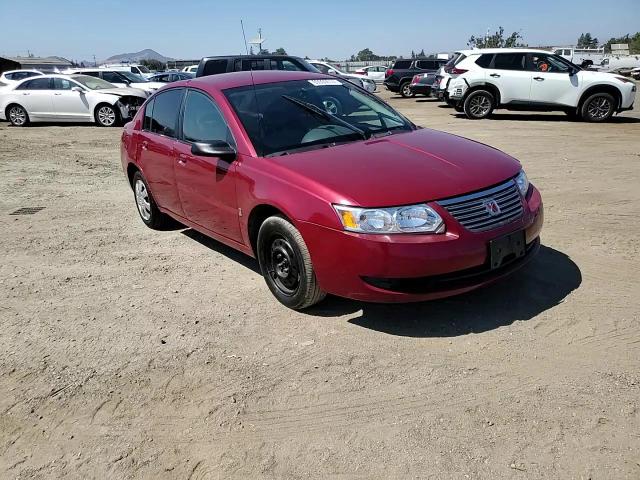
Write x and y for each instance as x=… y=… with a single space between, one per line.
x=147 y=208
x=107 y=115
x=598 y=107
x=479 y=104
x=286 y=264
x=17 y=115
x=405 y=90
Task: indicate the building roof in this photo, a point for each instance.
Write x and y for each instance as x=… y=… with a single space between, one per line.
x=40 y=60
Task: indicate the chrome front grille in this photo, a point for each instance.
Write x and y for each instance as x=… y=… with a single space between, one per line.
x=477 y=212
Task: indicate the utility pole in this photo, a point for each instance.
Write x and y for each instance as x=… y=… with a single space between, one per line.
x=95 y=64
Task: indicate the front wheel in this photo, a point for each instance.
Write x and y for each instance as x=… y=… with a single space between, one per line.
x=286 y=264
x=405 y=90
x=598 y=107
x=106 y=116
x=478 y=104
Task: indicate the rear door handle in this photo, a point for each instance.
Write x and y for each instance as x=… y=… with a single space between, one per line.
x=540 y=79
x=26 y=93
x=494 y=75
x=57 y=94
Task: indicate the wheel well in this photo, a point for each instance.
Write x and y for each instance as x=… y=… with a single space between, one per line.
x=601 y=89
x=6 y=110
x=258 y=215
x=131 y=171
x=490 y=88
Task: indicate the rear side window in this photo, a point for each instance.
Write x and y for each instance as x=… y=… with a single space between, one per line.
x=402 y=64
x=509 y=61
x=20 y=75
x=427 y=64
x=148 y=112
x=248 y=64
x=202 y=121
x=165 y=112
x=36 y=84
x=484 y=60
x=214 y=67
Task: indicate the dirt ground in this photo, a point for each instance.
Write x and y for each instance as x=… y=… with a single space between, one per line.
x=130 y=353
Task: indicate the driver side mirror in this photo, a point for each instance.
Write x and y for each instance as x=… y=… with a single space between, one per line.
x=572 y=71
x=77 y=89
x=214 y=148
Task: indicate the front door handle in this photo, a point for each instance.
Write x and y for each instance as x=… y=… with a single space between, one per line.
x=182 y=158
x=26 y=93
x=494 y=75
x=540 y=79
x=145 y=145
x=57 y=94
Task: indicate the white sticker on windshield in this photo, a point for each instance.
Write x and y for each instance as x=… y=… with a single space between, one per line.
x=322 y=83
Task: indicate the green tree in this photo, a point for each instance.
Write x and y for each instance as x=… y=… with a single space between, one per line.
x=496 y=40
x=280 y=51
x=632 y=40
x=422 y=54
x=153 y=64
x=585 y=40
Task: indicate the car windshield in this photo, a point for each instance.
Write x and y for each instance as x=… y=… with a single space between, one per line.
x=92 y=83
x=132 y=77
x=305 y=114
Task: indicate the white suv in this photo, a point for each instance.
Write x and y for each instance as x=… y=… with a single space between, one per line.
x=523 y=79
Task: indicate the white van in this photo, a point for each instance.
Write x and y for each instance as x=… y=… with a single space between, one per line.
x=129 y=67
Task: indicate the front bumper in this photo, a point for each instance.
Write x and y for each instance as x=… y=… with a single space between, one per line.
x=407 y=268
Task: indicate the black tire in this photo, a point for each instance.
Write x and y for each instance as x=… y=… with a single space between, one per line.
x=149 y=212
x=405 y=90
x=17 y=115
x=286 y=264
x=479 y=104
x=106 y=115
x=598 y=107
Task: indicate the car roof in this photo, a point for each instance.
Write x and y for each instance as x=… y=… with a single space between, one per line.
x=224 y=81
x=22 y=70
x=262 y=56
x=480 y=51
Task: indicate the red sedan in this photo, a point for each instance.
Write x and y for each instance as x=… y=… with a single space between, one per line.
x=330 y=188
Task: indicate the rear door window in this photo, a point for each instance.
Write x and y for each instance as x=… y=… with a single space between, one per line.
x=36 y=84
x=165 y=112
x=509 y=61
x=112 y=77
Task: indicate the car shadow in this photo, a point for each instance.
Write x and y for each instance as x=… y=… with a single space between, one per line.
x=537 y=287
x=231 y=253
x=427 y=100
x=548 y=118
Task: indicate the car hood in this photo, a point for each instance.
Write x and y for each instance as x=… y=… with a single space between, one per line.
x=400 y=169
x=134 y=92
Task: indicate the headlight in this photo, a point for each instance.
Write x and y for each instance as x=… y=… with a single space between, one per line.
x=410 y=219
x=523 y=183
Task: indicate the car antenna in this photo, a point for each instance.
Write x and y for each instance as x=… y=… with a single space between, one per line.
x=253 y=83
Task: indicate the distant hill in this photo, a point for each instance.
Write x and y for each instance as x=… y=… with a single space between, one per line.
x=137 y=57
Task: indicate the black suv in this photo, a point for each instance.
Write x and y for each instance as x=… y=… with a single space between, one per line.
x=398 y=77
x=243 y=63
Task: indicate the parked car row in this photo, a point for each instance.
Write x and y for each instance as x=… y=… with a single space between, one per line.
x=477 y=82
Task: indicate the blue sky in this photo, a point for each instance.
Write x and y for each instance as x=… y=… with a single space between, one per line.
x=193 y=28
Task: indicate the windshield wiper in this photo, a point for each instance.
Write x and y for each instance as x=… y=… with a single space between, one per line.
x=310 y=107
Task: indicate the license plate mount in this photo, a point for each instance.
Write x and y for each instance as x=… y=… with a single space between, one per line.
x=505 y=249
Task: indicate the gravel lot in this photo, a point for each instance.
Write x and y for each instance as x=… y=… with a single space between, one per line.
x=129 y=353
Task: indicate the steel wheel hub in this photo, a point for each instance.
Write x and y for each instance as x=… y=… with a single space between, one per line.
x=142 y=200
x=283 y=266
